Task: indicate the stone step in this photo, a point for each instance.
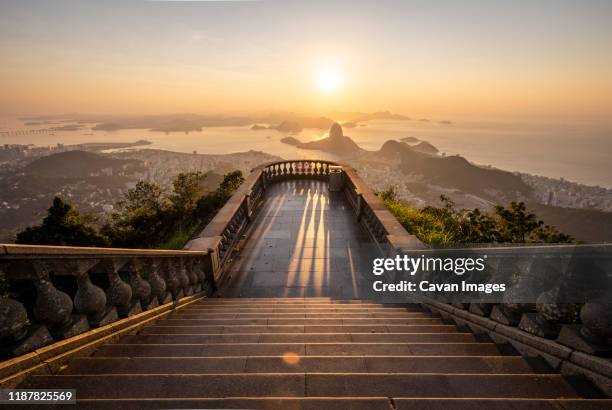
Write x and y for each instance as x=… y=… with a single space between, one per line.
x=304 y=364
x=299 y=338
x=298 y=300
x=190 y=314
x=348 y=403
x=305 y=309
x=297 y=321
x=311 y=385
x=217 y=329
x=302 y=306
x=280 y=299
x=299 y=349
x=293 y=302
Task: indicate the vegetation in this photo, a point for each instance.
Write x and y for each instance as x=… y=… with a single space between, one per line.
x=63 y=225
x=447 y=225
x=145 y=217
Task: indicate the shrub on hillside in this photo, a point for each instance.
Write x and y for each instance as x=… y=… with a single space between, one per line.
x=63 y=225
x=447 y=225
x=145 y=218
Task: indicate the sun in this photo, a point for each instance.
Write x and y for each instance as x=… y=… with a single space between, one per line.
x=329 y=79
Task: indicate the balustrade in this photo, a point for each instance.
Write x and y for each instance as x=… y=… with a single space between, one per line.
x=558 y=292
x=53 y=293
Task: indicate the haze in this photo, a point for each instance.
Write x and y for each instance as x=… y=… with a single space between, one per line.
x=543 y=59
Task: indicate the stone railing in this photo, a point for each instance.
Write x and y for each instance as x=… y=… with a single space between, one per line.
x=51 y=293
x=282 y=170
x=382 y=226
x=557 y=292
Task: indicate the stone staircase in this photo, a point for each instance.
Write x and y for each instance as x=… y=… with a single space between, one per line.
x=311 y=353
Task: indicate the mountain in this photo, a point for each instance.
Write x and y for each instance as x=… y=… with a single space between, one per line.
x=425 y=147
x=456 y=172
x=336 y=143
x=78 y=164
x=583 y=224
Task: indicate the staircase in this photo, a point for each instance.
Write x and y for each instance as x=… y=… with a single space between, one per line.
x=310 y=353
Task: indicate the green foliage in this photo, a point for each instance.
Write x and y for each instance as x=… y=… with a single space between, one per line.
x=209 y=203
x=63 y=225
x=178 y=238
x=145 y=218
x=230 y=183
x=187 y=191
x=148 y=219
x=446 y=225
x=140 y=217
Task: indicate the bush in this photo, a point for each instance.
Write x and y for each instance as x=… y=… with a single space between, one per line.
x=63 y=225
x=145 y=218
x=446 y=225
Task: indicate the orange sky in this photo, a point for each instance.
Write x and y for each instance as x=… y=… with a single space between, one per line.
x=546 y=59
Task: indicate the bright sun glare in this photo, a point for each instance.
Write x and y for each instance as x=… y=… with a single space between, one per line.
x=329 y=79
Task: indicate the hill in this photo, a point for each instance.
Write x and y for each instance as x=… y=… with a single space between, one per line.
x=456 y=172
x=583 y=224
x=336 y=143
x=425 y=147
x=78 y=164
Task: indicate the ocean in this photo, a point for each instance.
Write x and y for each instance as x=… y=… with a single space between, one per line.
x=576 y=152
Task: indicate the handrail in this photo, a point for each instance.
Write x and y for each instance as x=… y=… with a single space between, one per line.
x=560 y=292
x=8 y=251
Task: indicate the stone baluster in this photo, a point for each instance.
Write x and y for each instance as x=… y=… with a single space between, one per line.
x=159 y=293
x=119 y=293
x=549 y=316
x=16 y=335
x=185 y=282
x=594 y=335
x=590 y=281
x=90 y=300
x=192 y=275
x=499 y=272
x=196 y=268
x=141 y=290
x=173 y=279
x=54 y=307
x=552 y=309
x=516 y=299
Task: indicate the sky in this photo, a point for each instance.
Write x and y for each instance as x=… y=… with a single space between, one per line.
x=480 y=59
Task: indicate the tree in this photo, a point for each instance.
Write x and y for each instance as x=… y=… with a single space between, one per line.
x=63 y=225
x=144 y=195
x=140 y=218
x=208 y=204
x=515 y=223
x=144 y=218
x=230 y=183
x=187 y=190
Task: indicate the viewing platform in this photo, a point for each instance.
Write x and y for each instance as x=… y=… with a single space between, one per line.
x=304 y=241
x=272 y=306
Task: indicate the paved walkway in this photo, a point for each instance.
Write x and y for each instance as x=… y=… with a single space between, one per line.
x=305 y=241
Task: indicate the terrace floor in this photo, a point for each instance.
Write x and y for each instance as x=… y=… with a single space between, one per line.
x=305 y=241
